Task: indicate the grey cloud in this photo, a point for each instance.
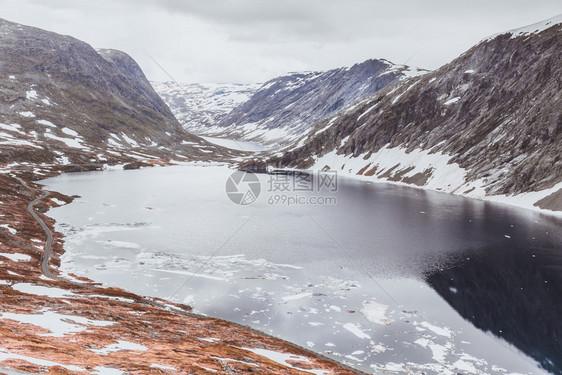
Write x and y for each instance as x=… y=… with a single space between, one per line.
x=254 y=40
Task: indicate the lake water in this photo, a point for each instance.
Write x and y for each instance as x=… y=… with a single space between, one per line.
x=375 y=275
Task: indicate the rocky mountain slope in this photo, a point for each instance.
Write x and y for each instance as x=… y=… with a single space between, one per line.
x=487 y=124
x=65 y=107
x=62 y=100
x=198 y=106
x=287 y=107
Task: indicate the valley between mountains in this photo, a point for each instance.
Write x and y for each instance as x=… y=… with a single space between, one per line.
x=487 y=125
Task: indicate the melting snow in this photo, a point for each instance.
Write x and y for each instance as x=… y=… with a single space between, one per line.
x=16 y=257
x=130 y=141
x=13 y=127
x=107 y=371
x=31 y=94
x=58 y=202
x=11 y=230
x=6 y=355
x=42 y=290
x=154 y=365
x=73 y=143
x=58 y=324
x=452 y=101
x=46 y=123
x=69 y=132
x=120 y=345
x=282 y=359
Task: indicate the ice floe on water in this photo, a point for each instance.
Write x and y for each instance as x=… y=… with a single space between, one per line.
x=281 y=278
x=375 y=312
x=345 y=319
x=356 y=331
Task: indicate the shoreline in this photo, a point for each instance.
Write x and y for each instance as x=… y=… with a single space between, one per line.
x=58 y=293
x=509 y=201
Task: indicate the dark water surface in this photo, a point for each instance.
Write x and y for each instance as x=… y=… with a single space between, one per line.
x=388 y=277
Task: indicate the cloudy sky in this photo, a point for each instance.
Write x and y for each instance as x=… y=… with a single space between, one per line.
x=255 y=40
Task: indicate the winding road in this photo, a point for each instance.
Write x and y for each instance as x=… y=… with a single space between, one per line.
x=48 y=249
x=48 y=254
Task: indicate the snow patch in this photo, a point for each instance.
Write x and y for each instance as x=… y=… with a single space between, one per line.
x=452 y=101
x=282 y=358
x=7 y=355
x=31 y=94
x=58 y=324
x=16 y=257
x=375 y=312
x=46 y=123
x=42 y=290
x=119 y=346
x=10 y=229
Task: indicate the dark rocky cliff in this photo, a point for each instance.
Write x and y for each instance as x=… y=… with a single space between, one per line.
x=495 y=111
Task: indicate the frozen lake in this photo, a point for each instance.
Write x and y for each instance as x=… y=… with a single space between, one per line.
x=378 y=276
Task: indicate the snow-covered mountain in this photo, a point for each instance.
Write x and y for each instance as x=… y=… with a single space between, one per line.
x=287 y=107
x=63 y=102
x=281 y=110
x=486 y=125
x=199 y=106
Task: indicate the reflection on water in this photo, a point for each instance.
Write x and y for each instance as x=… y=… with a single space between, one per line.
x=390 y=278
x=512 y=291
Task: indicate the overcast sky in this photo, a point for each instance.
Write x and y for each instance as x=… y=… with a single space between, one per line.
x=255 y=40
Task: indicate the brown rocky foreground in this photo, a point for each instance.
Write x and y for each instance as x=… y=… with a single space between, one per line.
x=57 y=326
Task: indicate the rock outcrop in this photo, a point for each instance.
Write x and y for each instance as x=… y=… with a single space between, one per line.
x=488 y=123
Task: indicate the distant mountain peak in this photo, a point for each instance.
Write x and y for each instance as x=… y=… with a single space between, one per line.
x=534 y=28
x=284 y=108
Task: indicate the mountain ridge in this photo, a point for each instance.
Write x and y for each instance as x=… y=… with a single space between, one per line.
x=487 y=124
x=284 y=108
x=59 y=95
x=198 y=106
